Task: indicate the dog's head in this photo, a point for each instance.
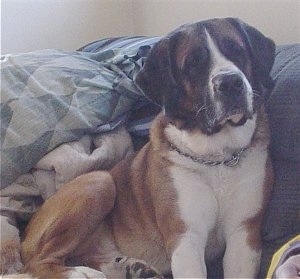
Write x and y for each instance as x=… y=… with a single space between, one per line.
x=209 y=74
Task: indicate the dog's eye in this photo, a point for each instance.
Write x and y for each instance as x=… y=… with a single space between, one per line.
x=193 y=60
x=234 y=51
x=233 y=47
x=196 y=60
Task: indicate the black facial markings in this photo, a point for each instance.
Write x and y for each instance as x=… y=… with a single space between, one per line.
x=196 y=62
x=192 y=84
x=196 y=73
x=233 y=51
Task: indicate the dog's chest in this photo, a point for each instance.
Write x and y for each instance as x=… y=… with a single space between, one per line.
x=201 y=194
x=213 y=198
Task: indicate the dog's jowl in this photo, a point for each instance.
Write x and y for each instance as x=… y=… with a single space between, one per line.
x=197 y=190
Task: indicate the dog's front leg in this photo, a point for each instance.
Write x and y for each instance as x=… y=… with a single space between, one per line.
x=241 y=259
x=188 y=257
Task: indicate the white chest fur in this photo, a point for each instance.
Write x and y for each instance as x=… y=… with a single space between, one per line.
x=214 y=200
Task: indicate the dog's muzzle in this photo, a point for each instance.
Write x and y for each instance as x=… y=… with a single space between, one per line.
x=232 y=92
x=229 y=85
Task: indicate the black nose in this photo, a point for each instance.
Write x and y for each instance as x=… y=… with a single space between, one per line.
x=228 y=84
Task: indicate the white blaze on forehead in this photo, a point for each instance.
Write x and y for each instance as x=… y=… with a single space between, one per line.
x=221 y=65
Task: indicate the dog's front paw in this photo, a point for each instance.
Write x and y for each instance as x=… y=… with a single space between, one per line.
x=84 y=272
x=138 y=269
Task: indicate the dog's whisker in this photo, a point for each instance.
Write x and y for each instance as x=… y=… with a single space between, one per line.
x=210 y=112
x=256 y=93
x=202 y=108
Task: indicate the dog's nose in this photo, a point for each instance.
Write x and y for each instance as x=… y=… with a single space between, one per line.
x=228 y=84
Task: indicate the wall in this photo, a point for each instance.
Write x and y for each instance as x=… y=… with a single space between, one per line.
x=279 y=19
x=68 y=24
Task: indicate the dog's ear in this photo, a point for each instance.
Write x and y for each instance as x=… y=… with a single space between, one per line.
x=156 y=79
x=262 y=51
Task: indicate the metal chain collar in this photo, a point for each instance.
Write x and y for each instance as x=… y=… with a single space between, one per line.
x=233 y=161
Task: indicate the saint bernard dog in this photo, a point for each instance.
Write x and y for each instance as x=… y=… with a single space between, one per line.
x=196 y=191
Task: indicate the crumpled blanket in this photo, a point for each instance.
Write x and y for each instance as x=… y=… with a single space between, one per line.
x=22 y=198
x=65 y=100
x=49 y=97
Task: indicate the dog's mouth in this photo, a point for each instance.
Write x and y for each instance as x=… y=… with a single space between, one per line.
x=235 y=117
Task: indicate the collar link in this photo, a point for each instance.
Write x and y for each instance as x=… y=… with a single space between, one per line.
x=231 y=162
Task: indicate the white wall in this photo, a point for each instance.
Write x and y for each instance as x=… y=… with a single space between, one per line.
x=68 y=24
x=279 y=19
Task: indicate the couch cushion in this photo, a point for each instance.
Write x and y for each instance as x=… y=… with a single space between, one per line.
x=284 y=104
x=284 y=114
x=282 y=220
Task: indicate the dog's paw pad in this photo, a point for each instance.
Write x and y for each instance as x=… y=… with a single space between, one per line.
x=120 y=260
x=141 y=270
